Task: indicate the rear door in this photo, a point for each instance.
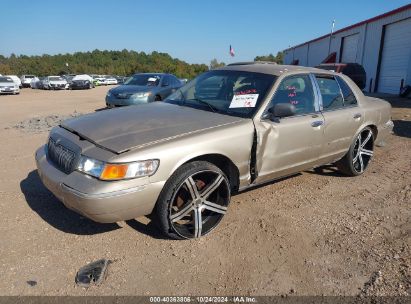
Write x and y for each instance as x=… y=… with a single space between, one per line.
x=342 y=116
x=290 y=144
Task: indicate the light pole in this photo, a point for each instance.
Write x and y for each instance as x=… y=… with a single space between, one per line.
x=331 y=35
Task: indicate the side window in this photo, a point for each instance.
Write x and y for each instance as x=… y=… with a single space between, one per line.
x=166 y=81
x=349 y=97
x=172 y=81
x=330 y=92
x=298 y=91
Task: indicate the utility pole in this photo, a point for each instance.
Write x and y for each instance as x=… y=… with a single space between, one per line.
x=331 y=35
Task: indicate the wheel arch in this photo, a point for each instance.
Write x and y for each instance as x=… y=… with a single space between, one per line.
x=225 y=164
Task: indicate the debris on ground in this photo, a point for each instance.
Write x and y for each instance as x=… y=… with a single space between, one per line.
x=42 y=124
x=92 y=274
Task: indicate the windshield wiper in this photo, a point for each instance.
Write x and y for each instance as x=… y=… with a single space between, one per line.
x=214 y=109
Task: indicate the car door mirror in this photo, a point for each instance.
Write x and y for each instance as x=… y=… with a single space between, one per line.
x=282 y=110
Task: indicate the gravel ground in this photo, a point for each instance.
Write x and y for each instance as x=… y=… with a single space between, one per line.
x=316 y=233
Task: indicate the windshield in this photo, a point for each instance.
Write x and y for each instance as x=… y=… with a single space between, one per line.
x=6 y=79
x=55 y=78
x=235 y=93
x=144 y=80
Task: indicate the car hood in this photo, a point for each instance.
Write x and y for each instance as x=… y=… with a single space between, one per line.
x=131 y=89
x=123 y=129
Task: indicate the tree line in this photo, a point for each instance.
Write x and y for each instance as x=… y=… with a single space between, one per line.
x=125 y=62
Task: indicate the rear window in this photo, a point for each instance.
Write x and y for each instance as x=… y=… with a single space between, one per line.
x=330 y=92
x=349 y=97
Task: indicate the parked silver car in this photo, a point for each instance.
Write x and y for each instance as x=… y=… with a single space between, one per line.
x=8 y=86
x=143 y=88
x=226 y=131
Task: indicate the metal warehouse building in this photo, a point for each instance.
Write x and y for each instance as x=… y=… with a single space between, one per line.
x=381 y=44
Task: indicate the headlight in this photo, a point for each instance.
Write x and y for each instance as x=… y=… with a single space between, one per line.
x=117 y=171
x=141 y=95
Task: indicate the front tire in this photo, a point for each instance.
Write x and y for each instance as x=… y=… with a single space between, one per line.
x=193 y=201
x=357 y=159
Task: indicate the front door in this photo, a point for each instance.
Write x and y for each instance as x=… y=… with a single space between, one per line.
x=290 y=144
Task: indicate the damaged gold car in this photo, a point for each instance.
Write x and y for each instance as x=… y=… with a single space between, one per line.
x=226 y=131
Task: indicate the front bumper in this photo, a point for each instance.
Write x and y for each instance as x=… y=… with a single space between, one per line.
x=80 y=86
x=9 y=91
x=112 y=101
x=98 y=203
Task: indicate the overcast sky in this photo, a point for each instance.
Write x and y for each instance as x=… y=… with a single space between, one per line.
x=192 y=30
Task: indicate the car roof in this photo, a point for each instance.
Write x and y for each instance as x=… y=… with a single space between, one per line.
x=271 y=68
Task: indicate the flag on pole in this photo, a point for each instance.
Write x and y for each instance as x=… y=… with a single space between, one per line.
x=232 y=54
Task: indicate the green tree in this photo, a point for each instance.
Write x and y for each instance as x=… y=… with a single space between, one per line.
x=279 y=58
x=215 y=64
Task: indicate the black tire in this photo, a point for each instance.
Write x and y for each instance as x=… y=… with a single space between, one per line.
x=213 y=190
x=356 y=161
x=157 y=98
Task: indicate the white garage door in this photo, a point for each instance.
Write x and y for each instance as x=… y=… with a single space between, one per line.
x=396 y=55
x=350 y=47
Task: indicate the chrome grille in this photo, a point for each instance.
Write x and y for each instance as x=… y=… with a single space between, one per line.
x=62 y=157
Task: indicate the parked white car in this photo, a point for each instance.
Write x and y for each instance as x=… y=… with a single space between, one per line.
x=8 y=86
x=54 y=83
x=111 y=80
x=26 y=80
x=16 y=80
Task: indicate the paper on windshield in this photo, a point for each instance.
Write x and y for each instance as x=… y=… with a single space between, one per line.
x=244 y=101
x=152 y=79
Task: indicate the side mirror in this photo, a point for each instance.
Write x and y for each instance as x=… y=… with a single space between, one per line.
x=282 y=110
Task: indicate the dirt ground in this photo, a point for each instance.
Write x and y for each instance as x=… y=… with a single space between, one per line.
x=317 y=233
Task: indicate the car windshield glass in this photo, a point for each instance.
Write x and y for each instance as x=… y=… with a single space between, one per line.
x=144 y=80
x=55 y=78
x=235 y=93
x=29 y=76
x=5 y=79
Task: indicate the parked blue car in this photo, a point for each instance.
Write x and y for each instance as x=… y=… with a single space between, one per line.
x=143 y=88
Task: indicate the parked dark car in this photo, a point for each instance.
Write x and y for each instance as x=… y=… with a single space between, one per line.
x=81 y=82
x=353 y=70
x=143 y=88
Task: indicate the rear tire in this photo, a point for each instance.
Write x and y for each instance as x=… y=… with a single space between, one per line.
x=193 y=201
x=360 y=154
x=157 y=98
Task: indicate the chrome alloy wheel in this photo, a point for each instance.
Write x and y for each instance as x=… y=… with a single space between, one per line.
x=199 y=204
x=363 y=150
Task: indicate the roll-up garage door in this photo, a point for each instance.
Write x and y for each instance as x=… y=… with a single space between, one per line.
x=349 y=48
x=396 y=55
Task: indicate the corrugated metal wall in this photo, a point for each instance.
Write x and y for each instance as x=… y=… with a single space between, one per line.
x=368 y=49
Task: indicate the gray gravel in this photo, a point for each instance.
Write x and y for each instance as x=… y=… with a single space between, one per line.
x=43 y=123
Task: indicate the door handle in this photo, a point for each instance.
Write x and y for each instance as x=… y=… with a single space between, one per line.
x=358 y=115
x=317 y=123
